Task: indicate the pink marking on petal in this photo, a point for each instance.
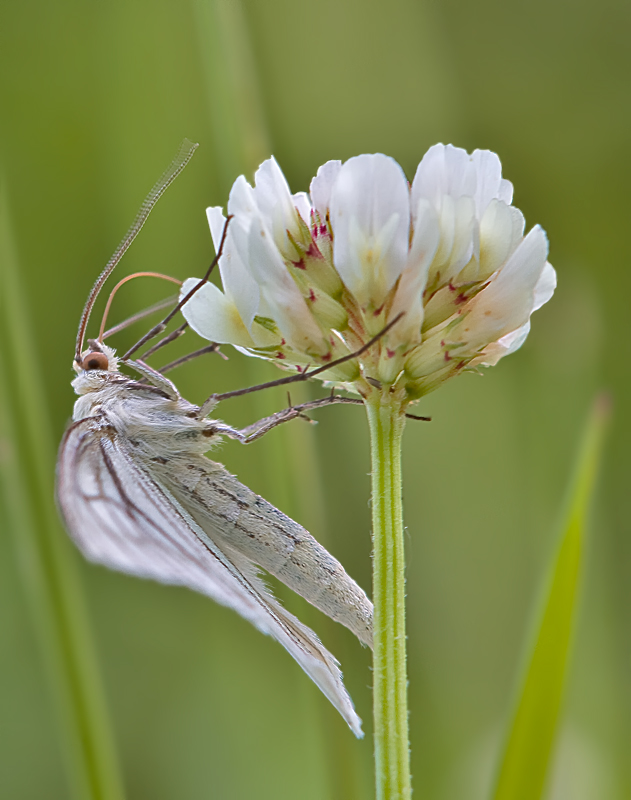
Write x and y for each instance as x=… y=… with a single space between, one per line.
x=327 y=357
x=390 y=353
x=282 y=342
x=447 y=356
x=312 y=296
x=280 y=355
x=299 y=264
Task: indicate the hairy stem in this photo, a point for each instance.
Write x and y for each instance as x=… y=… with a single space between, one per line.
x=392 y=762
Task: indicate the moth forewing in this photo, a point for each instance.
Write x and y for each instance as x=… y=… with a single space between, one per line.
x=137 y=495
x=235 y=516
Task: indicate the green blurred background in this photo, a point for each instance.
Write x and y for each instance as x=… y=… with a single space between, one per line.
x=95 y=99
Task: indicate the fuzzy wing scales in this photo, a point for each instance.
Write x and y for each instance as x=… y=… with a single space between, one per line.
x=119 y=516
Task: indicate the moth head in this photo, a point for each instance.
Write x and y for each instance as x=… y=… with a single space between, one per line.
x=97 y=358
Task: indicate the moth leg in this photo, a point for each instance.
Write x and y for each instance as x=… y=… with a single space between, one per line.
x=263 y=426
x=165 y=340
x=305 y=375
x=211 y=348
x=257 y=429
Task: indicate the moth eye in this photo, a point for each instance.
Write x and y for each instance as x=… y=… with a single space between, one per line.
x=95 y=360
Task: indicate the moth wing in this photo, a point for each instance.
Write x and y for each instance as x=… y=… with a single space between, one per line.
x=241 y=522
x=120 y=517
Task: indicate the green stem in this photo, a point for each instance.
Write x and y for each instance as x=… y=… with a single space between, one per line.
x=392 y=757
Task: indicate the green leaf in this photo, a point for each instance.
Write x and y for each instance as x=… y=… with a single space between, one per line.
x=45 y=559
x=530 y=740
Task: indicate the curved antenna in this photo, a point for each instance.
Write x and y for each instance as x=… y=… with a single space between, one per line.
x=184 y=155
x=146 y=312
x=122 y=282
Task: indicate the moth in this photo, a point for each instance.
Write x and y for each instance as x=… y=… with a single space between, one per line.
x=138 y=495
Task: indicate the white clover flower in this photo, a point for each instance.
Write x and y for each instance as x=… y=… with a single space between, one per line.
x=310 y=278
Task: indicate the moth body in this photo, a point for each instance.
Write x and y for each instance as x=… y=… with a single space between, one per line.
x=138 y=494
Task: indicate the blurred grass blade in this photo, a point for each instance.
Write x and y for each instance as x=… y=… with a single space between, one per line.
x=241 y=143
x=234 y=100
x=530 y=741
x=45 y=559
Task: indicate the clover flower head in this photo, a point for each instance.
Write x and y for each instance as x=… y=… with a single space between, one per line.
x=309 y=278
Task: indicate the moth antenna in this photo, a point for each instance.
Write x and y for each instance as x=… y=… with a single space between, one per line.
x=157 y=329
x=184 y=155
x=146 y=312
x=118 y=286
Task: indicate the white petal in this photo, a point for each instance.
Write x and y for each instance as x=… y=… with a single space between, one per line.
x=444 y=170
x=458 y=236
x=322 y=185
x=502 y=347
x=546 y=285
x=449 y=170
x=447 y=226
x=429 y=180
x=505 y=193
x=282 y=296
x=302 y=204
x=370 y=218
x=276 y=205
x=242 y=201
x=513 y=341
x=463 y=242
x=527 y=263
x=459 y=172
x=271 y=188
x=242 y=204
x=501 y=229
x=409 y=294
x=488 y=169
x=506 y=304
x=213 y=315
x=243 y=208
x=216 y=223
x=238 y=284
